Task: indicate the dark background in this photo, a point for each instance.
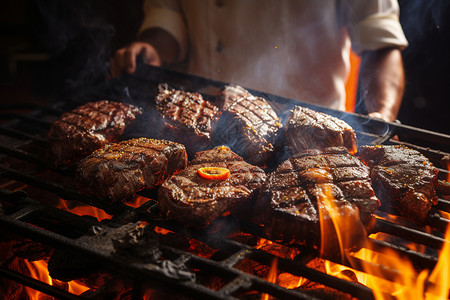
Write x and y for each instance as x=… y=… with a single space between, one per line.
x=56 y=49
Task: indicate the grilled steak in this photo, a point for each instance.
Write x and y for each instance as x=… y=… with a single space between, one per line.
x=195 y=201
x=87 y=128
x=310 y=184
x=116 y=171
x=187 y=117
x=309 y=129
x=402 y=178
x=248 y=125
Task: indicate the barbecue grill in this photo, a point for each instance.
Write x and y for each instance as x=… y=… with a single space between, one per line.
x=31 y=188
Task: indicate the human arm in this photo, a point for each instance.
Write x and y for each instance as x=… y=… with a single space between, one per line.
x=382 y=82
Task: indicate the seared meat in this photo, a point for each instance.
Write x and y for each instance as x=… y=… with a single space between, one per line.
x=248 y=125
x=309 y=129
x=187 y=117
x=194 y=201
x=87 y=128
x=116 y=171
x=311 y=183
x=403 y=179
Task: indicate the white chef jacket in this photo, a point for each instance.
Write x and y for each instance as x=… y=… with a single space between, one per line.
x=293 y=48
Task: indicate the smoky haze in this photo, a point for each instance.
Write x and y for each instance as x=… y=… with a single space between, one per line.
x=427 y=63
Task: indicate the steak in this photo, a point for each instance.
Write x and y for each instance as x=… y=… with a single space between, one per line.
x=118 y=170
x=248 y=125
x=403 y=179
x=87 y=128
x=194 y=201
x=187 y=118
x=316 y=183
x=309 y=129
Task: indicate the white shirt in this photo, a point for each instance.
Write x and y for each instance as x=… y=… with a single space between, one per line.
x=293 y=48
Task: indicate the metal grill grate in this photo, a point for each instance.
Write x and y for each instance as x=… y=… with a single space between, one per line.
x=29 y=183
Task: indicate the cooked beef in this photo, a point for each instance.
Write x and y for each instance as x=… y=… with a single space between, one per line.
x=116 y=171
x=87 y=128
x=309 y=129
x=194 y=201
x=248 y=125
x=305 y=185
x=187 y=118
x=402 y=178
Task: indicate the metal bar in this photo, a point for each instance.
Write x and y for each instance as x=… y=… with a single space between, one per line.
x=26 y=118
x=20 y=154
x=443 y=205
x=413 y=235
x=37 y=285
x=20 y=134
x=436 y=221
x=147 y=273
x=299 y=269
x=64 y=192
x=426 y=261
x=251 y=281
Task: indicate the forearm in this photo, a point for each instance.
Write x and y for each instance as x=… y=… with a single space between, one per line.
x=165 y=44
x=382 y=82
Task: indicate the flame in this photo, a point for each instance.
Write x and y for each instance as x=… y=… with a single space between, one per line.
x=345 y=225
x=137 y=201
x=83 y=210
x=407 y=284
x=162 y=231
x=38 y=270
x=271 y=276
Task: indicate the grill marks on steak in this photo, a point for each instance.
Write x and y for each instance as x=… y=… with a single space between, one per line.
x=248 y=124
x=87 y=128
x=295 y=195
x=117 y=171
x=187 y=117
x=194 y=201
x=403 y=179
x=309 y=129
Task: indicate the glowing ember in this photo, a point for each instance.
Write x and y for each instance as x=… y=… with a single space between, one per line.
x=83 y=210
x=38 y=270
x=137 y=201
x=161 y=230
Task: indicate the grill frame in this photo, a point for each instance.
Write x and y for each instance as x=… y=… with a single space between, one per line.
x=369 y=130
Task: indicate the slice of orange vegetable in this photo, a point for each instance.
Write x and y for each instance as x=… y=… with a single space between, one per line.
x=214 y=173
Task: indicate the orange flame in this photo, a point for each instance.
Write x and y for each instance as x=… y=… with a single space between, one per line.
x=162 y=231
x=271 y=277
x=83 y=210
x=38 y=270
x=409 y=284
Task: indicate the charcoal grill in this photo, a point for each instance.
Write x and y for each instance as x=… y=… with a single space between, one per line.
x=30 y=186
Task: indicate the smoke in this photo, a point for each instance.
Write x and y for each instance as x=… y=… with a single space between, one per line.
x=419 y=19
x=78 y=39
x=427 y=61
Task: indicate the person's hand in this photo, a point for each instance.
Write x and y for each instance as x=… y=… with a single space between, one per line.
x=377 y=115
x=124 y=60
x=387 y=117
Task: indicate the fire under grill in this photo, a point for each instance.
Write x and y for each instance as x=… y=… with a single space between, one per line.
x=135 y=253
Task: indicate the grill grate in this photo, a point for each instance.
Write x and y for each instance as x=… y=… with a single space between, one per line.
x=31 y=215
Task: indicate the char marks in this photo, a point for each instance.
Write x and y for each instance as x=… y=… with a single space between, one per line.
x=403 y=179
x=116 y=171
x=194 y=201
x=297 y=191
x=309 y=129
x=87 y=128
